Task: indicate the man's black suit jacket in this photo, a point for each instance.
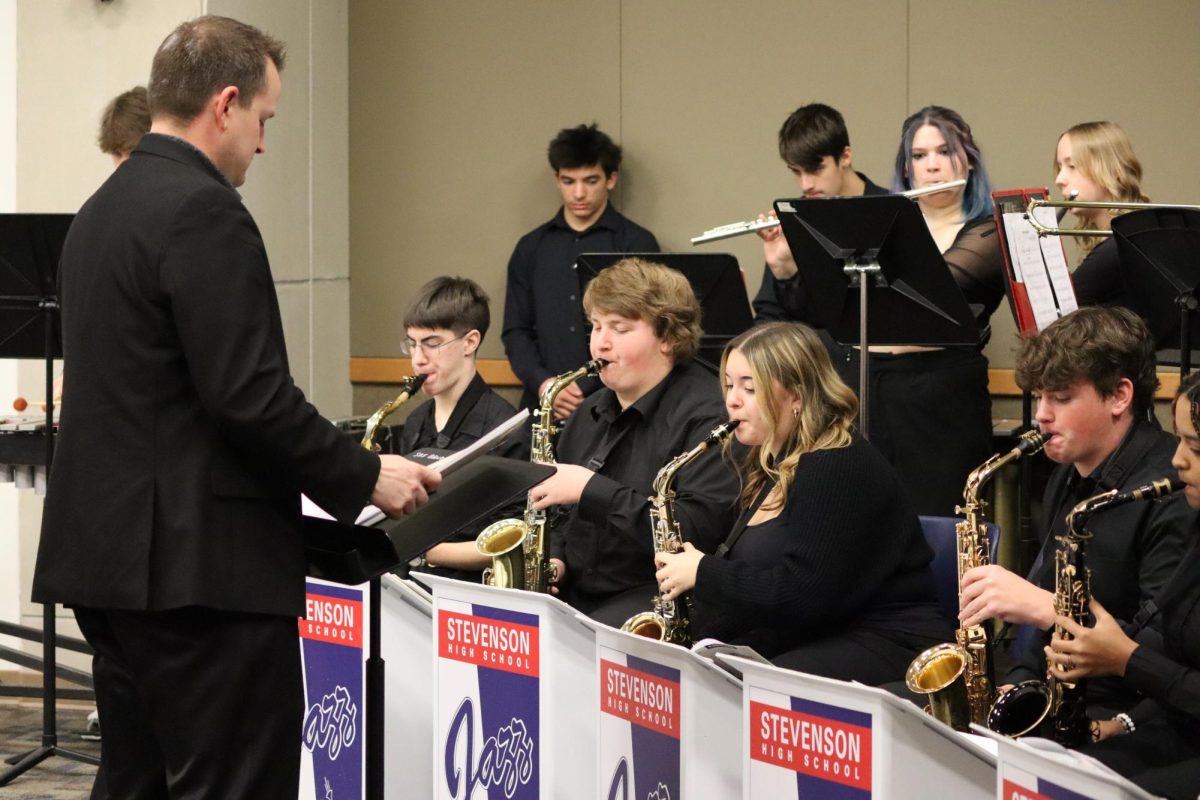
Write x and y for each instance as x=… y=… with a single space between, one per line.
x=184 y=442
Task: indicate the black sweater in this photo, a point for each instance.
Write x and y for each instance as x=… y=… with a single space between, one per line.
x=845 y=552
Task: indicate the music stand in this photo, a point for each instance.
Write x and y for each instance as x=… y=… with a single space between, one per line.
x=1160 y=268
x=717 y=281
x=30 y=248
x=353 y=554
x=879 y=249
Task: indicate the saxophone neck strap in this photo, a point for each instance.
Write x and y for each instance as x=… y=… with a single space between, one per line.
x=743 y=521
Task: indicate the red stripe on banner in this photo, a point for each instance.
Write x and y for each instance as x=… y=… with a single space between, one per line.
x=824 y=748
x=1014 y=791
x=332 y=619
x=486 y=642
x=639 y=697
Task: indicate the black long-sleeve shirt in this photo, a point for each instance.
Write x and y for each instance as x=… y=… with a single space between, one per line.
x=1133 y=550
x=845 y=552
x=545 y=333
x=1168 y=671
x=606 y=540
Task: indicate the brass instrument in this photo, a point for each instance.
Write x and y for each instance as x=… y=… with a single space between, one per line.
x=667 y=621
x=518 y=546
x=959 y=677
x=1055 y=708
x=408 y=387
x=1067 y=205
x=742 y=228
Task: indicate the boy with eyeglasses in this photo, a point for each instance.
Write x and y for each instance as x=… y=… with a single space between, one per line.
x=444 y=327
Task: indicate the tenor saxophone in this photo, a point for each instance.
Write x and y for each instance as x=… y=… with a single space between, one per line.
x=517 y=547
x=959 y=677
x=408 y=387
x=1055 y=708
x=667 y=621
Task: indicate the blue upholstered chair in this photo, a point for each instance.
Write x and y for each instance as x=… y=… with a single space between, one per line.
x=939 y=533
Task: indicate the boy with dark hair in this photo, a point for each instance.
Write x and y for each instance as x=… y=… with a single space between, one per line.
x=815 y=146
x=1092 y=373
x=656 y=404
x=444 y=327
x=545 y=333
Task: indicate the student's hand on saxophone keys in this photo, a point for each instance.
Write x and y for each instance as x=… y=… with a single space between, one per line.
x=563 y=488
x=677 y=571
x=1091 y=652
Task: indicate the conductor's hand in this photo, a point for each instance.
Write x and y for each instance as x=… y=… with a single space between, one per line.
x=677 y=571
x=567 y=400
x=776 y=251
x=992 y=592
x=403 y=486
x=563 y=488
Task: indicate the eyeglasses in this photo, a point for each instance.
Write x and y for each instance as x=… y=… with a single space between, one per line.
x=429 y=346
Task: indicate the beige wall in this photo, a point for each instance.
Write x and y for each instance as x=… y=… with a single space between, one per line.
x=453 y=102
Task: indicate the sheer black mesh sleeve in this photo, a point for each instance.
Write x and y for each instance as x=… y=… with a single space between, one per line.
x=977 y=264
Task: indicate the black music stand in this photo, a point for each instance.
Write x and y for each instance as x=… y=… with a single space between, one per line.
x=354 y=554
x=30 y=248
x=718 y=282
x=879 y=249
x=1160 y=266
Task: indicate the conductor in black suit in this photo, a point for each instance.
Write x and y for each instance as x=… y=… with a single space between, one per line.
x=172 y=519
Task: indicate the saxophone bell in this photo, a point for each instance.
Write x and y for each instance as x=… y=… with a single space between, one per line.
x=503 y=542
x=959 y=677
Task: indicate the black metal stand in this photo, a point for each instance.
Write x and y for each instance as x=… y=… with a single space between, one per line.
x=375 y=699
x=1160 y=271
x=881 y=247
x=49 y=747
x=30 y=245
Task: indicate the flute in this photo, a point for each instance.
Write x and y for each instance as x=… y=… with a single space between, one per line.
x=742 y=228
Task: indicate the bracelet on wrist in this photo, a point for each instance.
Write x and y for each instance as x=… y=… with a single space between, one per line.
x=1126 y=722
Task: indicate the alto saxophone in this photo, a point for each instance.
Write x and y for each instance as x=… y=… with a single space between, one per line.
x=668 y=619
x=959 y=677
x=1055 y=708
x=408 y=387
x=518 y=546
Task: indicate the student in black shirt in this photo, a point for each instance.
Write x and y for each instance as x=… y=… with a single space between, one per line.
x=545 y=333
x=1157 y=743
x=815 y=146
x=1095 y=160
x=826 y=571
x=656 y=404
x=444 y=327
x=1093 y=374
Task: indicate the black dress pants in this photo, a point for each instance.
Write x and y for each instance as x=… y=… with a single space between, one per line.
x=930 y=416
x=196 y=703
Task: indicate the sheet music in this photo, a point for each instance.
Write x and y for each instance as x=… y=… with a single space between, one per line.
x=1056 y=263
x=370 y=515
x=1030 y=269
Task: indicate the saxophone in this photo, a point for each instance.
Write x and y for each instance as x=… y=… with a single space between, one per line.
x=1056 y=708
x=408 y=387
x=668 y=619
x=518 y=546
x=959 y=677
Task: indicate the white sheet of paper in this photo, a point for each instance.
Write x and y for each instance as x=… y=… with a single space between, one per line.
x=371 y=514
x=1029 y=267
x=1056 y=263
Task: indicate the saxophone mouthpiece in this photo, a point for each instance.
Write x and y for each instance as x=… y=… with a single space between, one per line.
x=721 y=431
x=596 y=365
x=415 y=382
x=1158 y=488
x=1030 y=442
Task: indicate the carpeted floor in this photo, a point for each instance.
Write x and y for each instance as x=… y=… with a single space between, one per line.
x=57 y=777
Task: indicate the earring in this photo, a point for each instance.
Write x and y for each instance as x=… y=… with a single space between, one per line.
x=796 y=412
